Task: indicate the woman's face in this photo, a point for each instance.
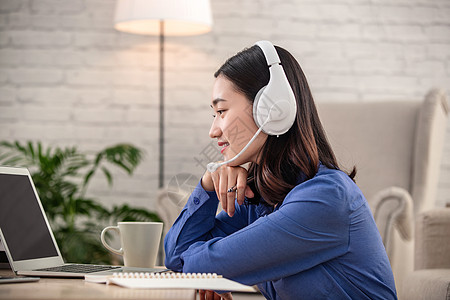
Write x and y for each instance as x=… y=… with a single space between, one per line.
x=233 y=124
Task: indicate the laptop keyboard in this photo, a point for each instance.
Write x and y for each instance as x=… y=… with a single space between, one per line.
x=76 y=268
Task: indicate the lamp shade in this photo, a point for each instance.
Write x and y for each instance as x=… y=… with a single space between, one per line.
x=181 y=17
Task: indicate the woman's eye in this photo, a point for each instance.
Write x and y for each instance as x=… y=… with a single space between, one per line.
x=219 y=112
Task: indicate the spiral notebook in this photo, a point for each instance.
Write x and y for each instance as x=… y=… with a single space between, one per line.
x=197 y=281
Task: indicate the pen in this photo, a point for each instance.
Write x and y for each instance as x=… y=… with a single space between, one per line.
x=234 y=187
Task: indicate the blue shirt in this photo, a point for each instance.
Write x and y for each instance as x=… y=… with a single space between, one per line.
x=320 y=243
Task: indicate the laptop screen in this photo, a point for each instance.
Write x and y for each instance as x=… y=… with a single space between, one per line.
x=21 y=220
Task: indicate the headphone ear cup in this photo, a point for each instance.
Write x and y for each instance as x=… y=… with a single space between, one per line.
x=275 y=105
x=257 y=116
x=274 y=108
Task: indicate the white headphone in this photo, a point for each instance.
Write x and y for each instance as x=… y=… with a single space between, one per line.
x=274 y=107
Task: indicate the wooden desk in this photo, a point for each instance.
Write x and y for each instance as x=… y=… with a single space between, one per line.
x=78 y=289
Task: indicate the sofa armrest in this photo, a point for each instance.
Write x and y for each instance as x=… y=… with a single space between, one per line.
x=430 y=284
x=393 y=208
x=428 y=149
x=432 y=241
x=169 y=204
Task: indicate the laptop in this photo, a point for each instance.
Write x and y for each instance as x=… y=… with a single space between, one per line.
x=4 y=264
x=26 y=235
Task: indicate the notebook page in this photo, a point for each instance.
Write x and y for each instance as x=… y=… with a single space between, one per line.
x=177 y=281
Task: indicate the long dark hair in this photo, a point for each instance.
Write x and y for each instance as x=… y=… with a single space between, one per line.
x=283 y=159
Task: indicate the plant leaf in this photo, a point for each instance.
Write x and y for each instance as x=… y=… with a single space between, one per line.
x=108 y=175
x=61 y=176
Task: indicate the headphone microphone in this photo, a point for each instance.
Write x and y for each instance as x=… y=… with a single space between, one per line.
x=274 y=107
x=213 y=166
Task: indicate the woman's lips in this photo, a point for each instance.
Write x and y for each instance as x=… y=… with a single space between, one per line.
x=223 y=149
x=224 y=145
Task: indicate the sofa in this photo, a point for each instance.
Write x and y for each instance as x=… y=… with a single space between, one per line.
x=431 y=277
x=397 y=148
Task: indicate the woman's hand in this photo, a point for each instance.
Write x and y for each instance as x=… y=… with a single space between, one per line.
x=211 y=295
x=228 y=178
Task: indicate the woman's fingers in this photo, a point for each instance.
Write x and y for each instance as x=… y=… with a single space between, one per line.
x=226 y=296
x=211 y=295
x=248 y=192
x=231 y=192
x=230 y=183
x=223 y=187
x=241 y=186
x=215 y=180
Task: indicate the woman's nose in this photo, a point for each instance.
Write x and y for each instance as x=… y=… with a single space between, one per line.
x=214 y=131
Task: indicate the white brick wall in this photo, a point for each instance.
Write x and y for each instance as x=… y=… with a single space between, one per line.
x=68 y=78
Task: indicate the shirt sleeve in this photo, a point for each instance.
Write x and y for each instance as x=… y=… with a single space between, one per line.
x=198 y=222
x=311 y=227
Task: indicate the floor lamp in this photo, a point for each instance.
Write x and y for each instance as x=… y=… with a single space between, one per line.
x=163 y=18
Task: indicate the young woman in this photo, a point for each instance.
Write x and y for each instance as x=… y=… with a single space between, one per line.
x=293 y=223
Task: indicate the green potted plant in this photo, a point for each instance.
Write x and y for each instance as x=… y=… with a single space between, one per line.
x=61 y=177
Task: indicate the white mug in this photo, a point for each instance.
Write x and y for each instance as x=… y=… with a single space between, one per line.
x=139 y=242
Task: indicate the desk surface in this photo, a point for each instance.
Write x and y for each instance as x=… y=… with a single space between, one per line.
x=78 y=289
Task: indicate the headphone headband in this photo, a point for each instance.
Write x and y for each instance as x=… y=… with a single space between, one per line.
x=269 y=52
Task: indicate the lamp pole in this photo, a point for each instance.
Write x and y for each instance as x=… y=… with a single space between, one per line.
x=161 y=104
x=175 y=17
